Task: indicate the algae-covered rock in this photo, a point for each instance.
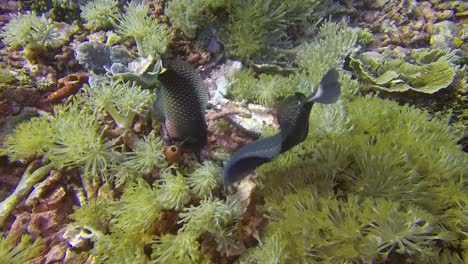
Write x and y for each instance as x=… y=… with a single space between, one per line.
x=399 y=70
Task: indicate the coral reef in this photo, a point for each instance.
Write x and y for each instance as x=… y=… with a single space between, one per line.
x=88 y=176
x=360 y=158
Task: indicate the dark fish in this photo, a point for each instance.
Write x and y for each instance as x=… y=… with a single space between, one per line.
x=181 y=103
x=293 y=117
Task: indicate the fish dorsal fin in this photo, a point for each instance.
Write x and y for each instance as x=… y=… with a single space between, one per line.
x=329 y=89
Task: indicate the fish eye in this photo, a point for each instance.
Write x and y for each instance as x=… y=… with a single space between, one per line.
x=174 y=148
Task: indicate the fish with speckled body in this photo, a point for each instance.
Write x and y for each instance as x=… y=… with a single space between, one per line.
x=181 y=103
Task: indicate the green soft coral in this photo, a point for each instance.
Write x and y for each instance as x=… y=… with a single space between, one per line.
x=95 y=214
x=204 y=179
x=175 y=191
x=24 y=145
x=32 y=30
x=151 y=37
x=264 y=89
x=408 y=166
x=146 y=156
x=308 y=227
x=257 y=27
x=123 y=101
x=191 y=15
x=332 y=43
x=79 y=142
x=138 y=210
x=23 y=252
x=211 y=216
x=100 y=14
x=180 y=248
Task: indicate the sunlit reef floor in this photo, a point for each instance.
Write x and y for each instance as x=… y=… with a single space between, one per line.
x=87 y=175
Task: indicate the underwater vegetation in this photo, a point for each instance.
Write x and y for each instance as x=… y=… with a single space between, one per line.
x=376 y=175
x=332 y=43
x=253 y=28
x=398 y=170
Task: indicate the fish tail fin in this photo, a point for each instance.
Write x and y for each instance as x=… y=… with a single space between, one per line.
x=329 y=89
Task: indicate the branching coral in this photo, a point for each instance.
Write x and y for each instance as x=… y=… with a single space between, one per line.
x=123 y=101
x=100 y=14
x=28 y=180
